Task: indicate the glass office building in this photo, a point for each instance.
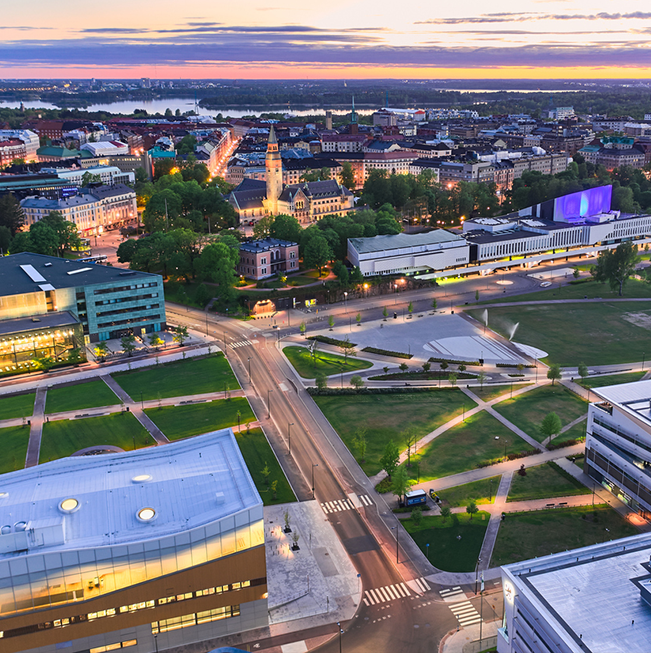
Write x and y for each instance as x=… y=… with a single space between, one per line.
x=156 y=548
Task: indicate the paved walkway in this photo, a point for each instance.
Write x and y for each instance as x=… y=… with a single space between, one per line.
x=495 y=519
x=36 y=429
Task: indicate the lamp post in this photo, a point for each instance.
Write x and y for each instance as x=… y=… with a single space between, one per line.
x=289 y=436
x=313 y=466
x=505 y=443
x=269 y=391
x=249 y=359
x=341 y=632
x=477 y=573
x=345 y=303
x=397 y=530
x=142 y=405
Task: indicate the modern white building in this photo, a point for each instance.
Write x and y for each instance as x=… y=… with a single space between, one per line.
x=618 y=443
x=147 y=550
x=407 y=254
x=29 y=138
x=591 y=600
x=106 y=148
x=107 y=174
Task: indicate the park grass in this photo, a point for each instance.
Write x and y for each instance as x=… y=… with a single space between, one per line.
x=489 y=392
x=574 y=433
x=593 y=290
x=257 y=453
x=326 y=363
x=64 y=437
x=611 y=379
x=14 y=441
x=568 y=332
x=178 y=422
x=481 y=492
x=466 y=445
x=577 y=460
x=446 y=552
x=78 y=397
x=388 y=417
x=545 y=481
x=525 y=535
x=192 y=376
x=528 y=410
x=17 y=406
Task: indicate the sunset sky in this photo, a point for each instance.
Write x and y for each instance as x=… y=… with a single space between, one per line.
x=294 y=39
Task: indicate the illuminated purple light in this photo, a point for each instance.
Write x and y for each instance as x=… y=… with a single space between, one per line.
x=572 y=207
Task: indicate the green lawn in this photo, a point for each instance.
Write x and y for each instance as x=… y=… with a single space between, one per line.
x=79 y=397
x=611 y=379
x=62 y=438
x=576 y=432
x=525 y=535
x=593 y=290
x=577 y=460
x=326 y=363
x=491 y=392
x=178 y=422
x=446 y=551
x=389 y=416
x=257 y=452
x=568 y=332
x=528 y=410
x=17 y=406
x=185 y=377
x=545 y=481
x=14 y=442
x=480 y=491
x=464 y=446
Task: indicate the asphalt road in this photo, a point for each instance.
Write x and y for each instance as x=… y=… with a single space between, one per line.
x=402 y=624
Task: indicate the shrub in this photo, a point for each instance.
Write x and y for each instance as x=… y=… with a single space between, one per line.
x=387 y=352
x=332 y=341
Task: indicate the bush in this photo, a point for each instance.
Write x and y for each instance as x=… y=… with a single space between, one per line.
x=576 y=282
x=383 y=486
x=452 y=361
x=420 y=376
x=514 y=365
x=332 y=341
x=516 y=376
x=552 y=446
x=331 y=392
x=511 y=456
x=387 y=352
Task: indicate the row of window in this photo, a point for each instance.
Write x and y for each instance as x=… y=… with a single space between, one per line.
x=104 y=291
x=187 y=620
x=133 y=607
x=131 y=309
x=121 y=300
x=135 y=320
x=114 y=647
x=622 y=434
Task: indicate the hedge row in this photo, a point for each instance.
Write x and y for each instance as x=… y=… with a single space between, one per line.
x=451 y=361
x=326 y=340
x=565 y=443
x=511 y=456
x=528 y=365
x=421 y=376
x=387 y=352
x=326 y=392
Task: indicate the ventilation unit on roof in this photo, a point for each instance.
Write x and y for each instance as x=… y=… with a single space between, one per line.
x=127 y=274
x=48 y=265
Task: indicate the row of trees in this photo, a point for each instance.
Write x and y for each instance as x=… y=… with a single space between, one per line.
x=51 y=235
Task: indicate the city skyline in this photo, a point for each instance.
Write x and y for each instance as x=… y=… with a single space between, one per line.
x=541 y=39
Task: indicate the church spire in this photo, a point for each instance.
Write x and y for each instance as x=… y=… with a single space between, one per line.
x=353 y=115
x=272 y=136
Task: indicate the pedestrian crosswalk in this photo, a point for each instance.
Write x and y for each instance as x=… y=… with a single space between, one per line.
x=337 y=506
x=345 y=504
x=386 y=593
x=422 y=585
x=463 y=610
x=241 y=343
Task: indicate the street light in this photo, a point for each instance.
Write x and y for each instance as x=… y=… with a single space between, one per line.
x=142 y=405
x=345 y=303
x=269 y=391
x=397 y=530
x=249 y=359
x=313 y=466
x=477 y=573
x=341 y=632
x=289 y=436
x=505 y=443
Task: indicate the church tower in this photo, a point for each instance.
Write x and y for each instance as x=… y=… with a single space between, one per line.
x=274 y=173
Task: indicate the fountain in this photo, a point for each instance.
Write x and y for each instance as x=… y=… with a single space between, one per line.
x=485 y=316
x=513 y=329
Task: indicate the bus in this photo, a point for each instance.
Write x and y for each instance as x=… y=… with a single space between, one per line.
x=100 y=258
x=415 y=498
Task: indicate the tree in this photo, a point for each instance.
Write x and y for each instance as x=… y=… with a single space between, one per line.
x=462 y=368
x=410 y=308
x=348 y=176
x=11 y=213
x=434 y=304
x=615 y=266
x=444 y=365
x=477 y=295
x=101 y=350
x=399 y=483
x=155 y=340
x=445 y=512
x=471 y=508
x=554 y=373
x=358 y=319
x=583 y=371
x=481 y=377
x=551 y=425
x=390 y=458
x=274 y=489
x=286 y=227
x=347 y=348
x=265 y=472
x=317 y=253
x=426 y=367
x=357 y=382
x=412 y=438
x=403 y=367
x=321 y=380
x=128 y=344
x=180 y=334
x=89 y=178
x=262 y=227
x=385 y=313
x=452 y=378
x=42 y=239
x=302 y=328
x=576 y=273
x=217 y=264
x=359 y=442
x=331 y=322
x=417 y=516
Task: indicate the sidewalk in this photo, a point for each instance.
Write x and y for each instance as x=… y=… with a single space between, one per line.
x=35 y=429
x=495 y=519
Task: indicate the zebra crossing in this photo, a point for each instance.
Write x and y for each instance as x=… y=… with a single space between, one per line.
x=345 y=504
x=463 y=610
x=385 y=594
x=241 y=343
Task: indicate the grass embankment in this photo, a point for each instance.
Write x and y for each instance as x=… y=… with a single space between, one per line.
x=545 y=481
x=323 y=362
x=92 y=394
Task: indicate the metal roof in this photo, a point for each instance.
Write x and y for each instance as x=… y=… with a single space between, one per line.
x=187 y=484
x=402 y=241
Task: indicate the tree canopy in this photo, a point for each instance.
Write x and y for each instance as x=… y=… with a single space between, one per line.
x=615 y=266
